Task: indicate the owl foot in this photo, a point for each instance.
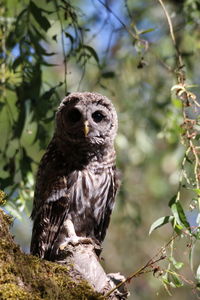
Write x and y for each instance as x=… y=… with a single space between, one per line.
x=72 y=238
x=74 y=241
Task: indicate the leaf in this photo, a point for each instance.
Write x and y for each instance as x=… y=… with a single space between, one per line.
x=69 y=36
x=54 y=37
x=176 y=264
x=198 y=219
x=1 y=105
x=160 y=222
x=146 y=31
x=179 y=214
x=92 y=52
x=198 y=274
x=172 y=200
x=175 y=280
x=188 y=160
x=37 y=33
x=19 y=60
x=109 y=74
x=38 y=48
x=25 y=162
x=37 y=13
x=13 y=210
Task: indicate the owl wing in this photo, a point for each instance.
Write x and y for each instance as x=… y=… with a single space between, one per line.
x=51 y=202
x=49 y=218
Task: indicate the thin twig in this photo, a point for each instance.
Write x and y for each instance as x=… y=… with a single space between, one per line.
x=180 y=74
x=63 y=46
x=135 y=36
x=151 y=262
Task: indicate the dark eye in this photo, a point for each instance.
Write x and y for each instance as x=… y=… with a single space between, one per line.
x=74 y=115
x=97 y=116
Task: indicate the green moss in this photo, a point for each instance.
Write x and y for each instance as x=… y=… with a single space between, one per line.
x=12 y=291
x=2 y=198
x=25 y=276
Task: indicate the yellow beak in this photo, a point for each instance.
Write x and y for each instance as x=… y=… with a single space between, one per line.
x=86 y=128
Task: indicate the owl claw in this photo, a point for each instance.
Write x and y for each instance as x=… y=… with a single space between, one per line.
x=74 y=241
x=72 y=238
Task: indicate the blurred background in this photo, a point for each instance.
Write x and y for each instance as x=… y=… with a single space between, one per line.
x=123 y=50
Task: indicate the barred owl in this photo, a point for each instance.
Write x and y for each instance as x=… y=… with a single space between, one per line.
x=77 y=177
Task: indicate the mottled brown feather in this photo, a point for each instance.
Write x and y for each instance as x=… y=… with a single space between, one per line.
x=77 y=178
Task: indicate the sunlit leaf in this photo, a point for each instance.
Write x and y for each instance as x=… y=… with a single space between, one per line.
x=160 y=222
x=11 y=208
x=198 y=274
x=178 y=212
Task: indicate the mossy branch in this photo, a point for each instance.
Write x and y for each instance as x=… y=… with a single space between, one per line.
x=23 y=276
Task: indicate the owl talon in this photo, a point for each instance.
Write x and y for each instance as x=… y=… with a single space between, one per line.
x=72 y=238
x=74 y=241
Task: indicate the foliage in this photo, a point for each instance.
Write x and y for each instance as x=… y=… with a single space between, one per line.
x=133 y=53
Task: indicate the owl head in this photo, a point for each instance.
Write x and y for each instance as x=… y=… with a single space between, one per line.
x=86 y=118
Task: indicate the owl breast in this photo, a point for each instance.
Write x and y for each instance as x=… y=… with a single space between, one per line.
x=90 y=196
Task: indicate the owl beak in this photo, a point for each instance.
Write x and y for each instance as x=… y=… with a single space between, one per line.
x=86 y=128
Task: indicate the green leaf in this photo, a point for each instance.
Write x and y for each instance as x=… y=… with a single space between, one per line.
x=179 y=214
x=109 y=74
x=175 y=280
x=25 y=163
x=54 y=37
x=39 y=49
x=19 y=60
x=13 y=210
x=176 y=264
x=37 y=13
x=70 y=37
x=146 y=31
x=188 y=160
x=160 y=222
x=1 y=105
x=172 y=200
x=92 y=52
x=198 y=274
x=198 y=219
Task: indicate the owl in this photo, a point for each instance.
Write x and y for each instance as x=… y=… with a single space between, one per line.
x=77 y=179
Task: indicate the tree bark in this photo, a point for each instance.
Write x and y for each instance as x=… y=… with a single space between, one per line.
x=78 y=276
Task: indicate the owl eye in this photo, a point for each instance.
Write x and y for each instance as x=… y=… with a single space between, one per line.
x=97 y=116
x=74 y=115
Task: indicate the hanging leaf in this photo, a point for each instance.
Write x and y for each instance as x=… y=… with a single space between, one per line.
x=92 y=52
x=198 y=274
x=37 y=13
x=172 y=200
x=160 y=222
x=70 y=37
x=179 y=214
x=19 y=60
x=146 y=31
x=109 y=74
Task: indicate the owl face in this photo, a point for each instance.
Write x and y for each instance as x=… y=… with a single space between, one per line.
x=87 y=117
